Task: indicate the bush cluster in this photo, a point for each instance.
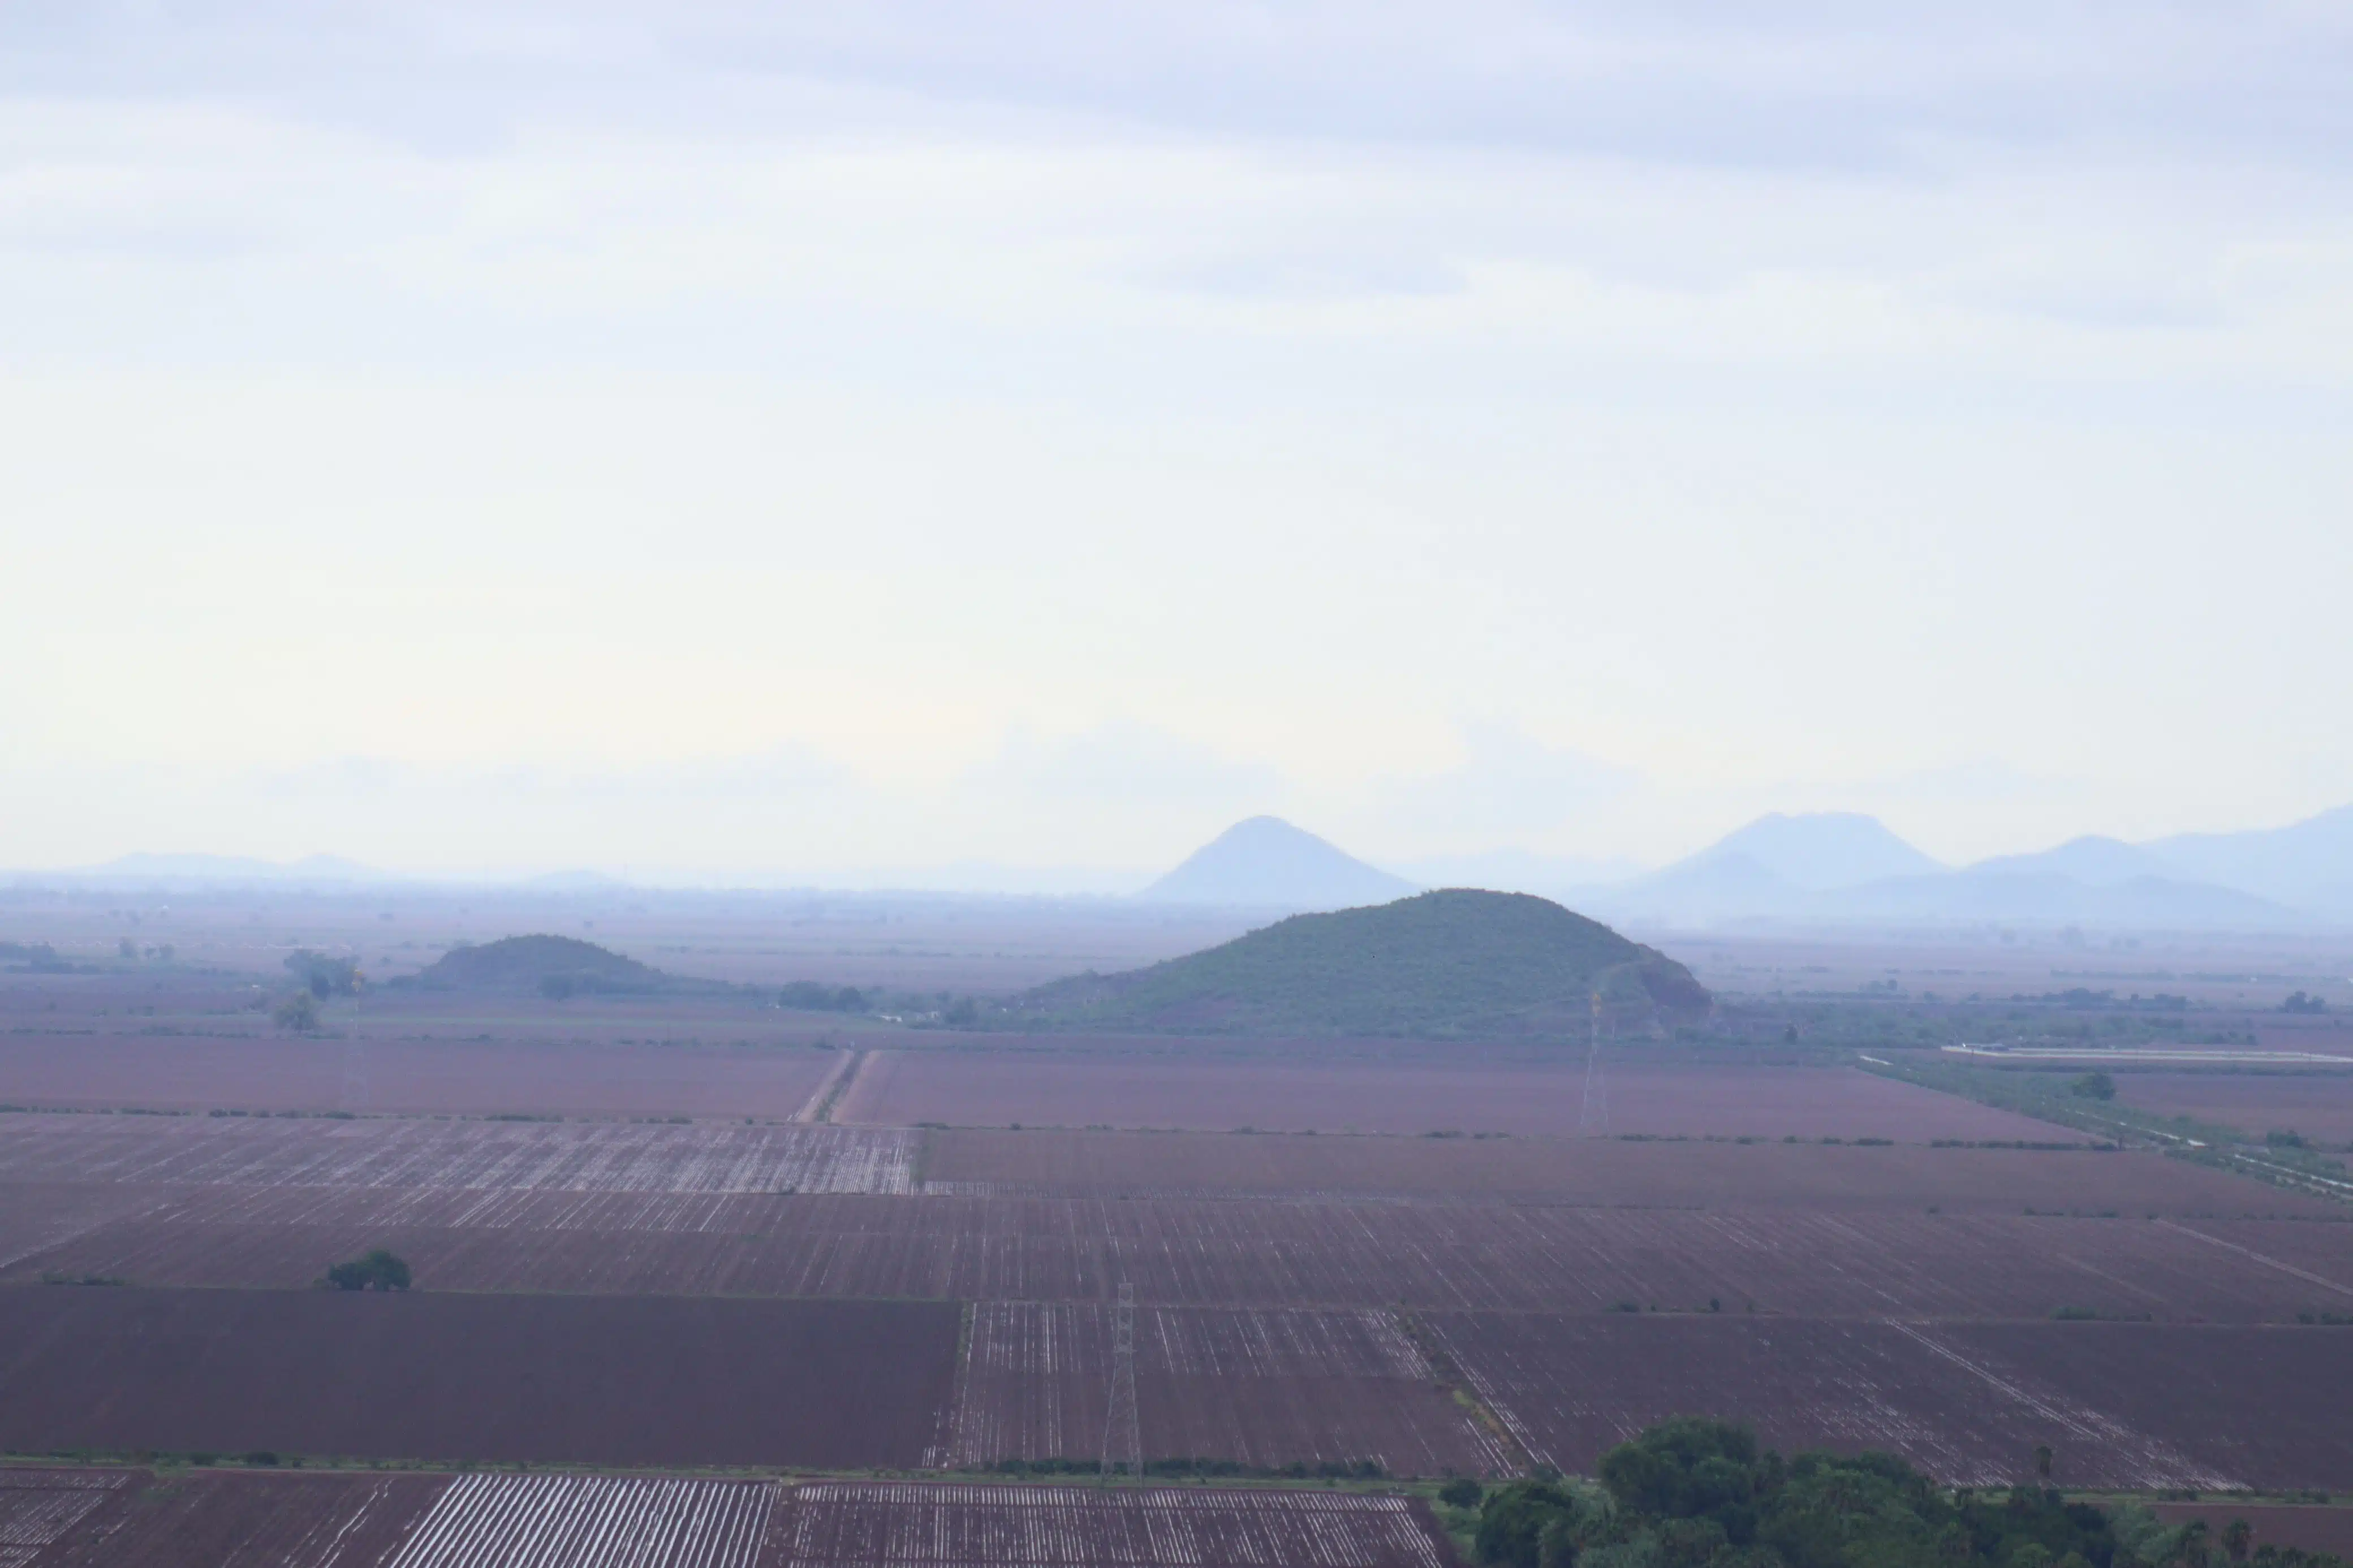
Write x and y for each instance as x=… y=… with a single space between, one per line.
x=1692 y=1493
x=373 y=1270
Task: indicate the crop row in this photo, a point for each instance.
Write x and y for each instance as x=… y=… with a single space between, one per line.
x=463 y=1155
x=1262 y=1388
x=1966 y=1411
x=1435 y=1259
x=854 y=1524
x=589 y=1521
x=38 y=1507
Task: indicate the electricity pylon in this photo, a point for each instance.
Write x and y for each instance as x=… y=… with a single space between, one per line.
x=1593 y=1109
x=1122 y=1434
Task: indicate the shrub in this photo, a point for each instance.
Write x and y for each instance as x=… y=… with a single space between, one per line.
x=324 y=975
x=373 y=1270
x=2094 y=1086
x=1517 y=1520
x=1462 y=1493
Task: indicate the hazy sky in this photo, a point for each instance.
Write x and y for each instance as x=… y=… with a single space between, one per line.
x=801 y=438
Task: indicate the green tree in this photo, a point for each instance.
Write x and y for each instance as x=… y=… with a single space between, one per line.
x=299 y=1012
x=1462 y=1493
x=324 y=975
x=1513 y=1525
x=376 y=1269
x=2094 y=1086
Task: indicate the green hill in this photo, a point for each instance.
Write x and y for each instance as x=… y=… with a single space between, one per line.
x=552 y=966
x=1457 y=961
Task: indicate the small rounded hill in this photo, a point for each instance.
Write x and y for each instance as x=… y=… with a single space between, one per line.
x=1458 y=962
x=552 y=966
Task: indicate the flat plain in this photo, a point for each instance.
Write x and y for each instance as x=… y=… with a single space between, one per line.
x=880 y=1523
x=2314 y=1104
x=1966 y=1402
x=642 y=1381
x=208 y=1517
x=695 y=1230
x=1297 y=1086
x=771 y=1078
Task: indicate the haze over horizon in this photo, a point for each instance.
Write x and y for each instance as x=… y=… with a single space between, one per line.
x=698 y=437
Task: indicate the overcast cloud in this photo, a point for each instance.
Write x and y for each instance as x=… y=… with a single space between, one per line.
x=820 y=437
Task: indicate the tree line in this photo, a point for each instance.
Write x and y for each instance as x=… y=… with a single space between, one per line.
x=1694 y=1493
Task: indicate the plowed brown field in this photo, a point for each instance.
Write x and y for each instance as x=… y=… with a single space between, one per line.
x=2122 y=1405
x=856 y=1524
x=1266 y=1388
x=1199 y=1253
x=1597 y=1173
x=1175 y=1088
x=201 y=1072
x=582 y=1379
x=2267 y=1406
x=2319 y=1105
x=453 y=1157
x=265 y=1520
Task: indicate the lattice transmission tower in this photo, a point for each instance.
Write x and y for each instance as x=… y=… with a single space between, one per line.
x=1122 y=1434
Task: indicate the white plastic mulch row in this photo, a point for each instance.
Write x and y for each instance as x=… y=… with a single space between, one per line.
x=590 y=1522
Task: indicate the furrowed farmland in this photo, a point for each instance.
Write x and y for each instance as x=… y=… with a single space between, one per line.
x=138 y=1519
x=858 y=1524
x=1567 y=1388
x=151 y=1521
x=1263 y=1388
x=1337 y=1094
x=640 y=1381
x=192 y=1069
x=459 y=1156
x=1595 y=1172
x=489 y=1521
x=1211 y=1253
x=769 y=1260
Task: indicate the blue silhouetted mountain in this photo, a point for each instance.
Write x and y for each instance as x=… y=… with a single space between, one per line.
x=1266 y=863
x=228 y=870
x=1814 y=851
x=2308 y=864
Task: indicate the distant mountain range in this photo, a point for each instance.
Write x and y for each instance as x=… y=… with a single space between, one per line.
x=1850 y=869
x=1821 y=868
x=1266 y=863
x=182 y=870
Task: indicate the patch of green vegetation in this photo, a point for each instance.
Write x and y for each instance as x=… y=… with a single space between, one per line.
x=376 y=1269
x=1455 y=962
x=557 y=967
x=1692 y=1493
